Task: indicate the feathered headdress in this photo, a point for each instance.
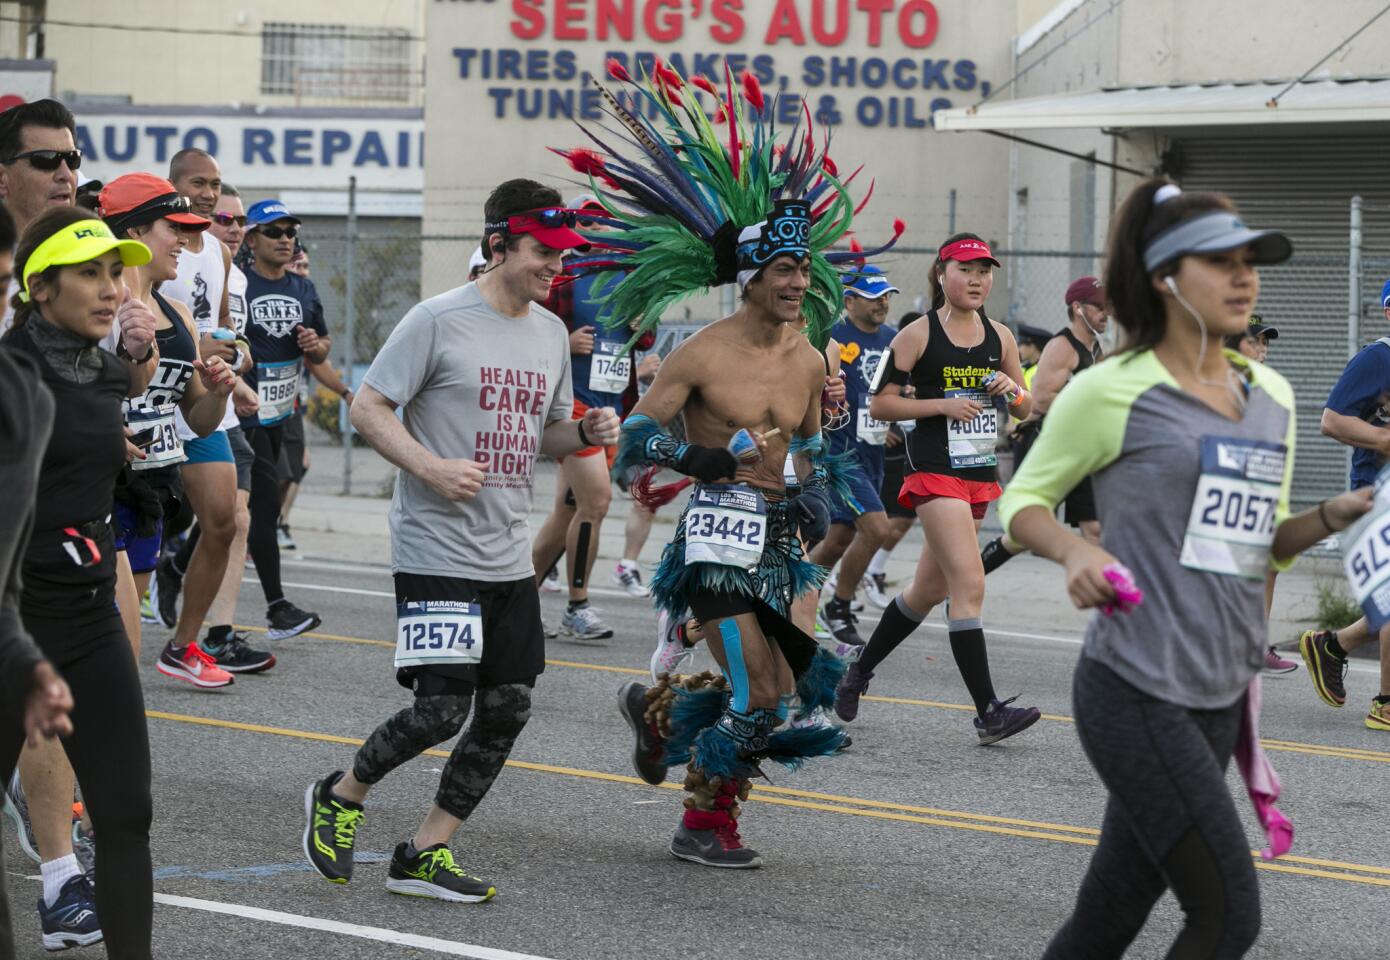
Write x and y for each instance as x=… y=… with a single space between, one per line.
x=694 y=203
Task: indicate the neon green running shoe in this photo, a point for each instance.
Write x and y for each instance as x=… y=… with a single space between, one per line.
x=330 y=829
x=432 y=873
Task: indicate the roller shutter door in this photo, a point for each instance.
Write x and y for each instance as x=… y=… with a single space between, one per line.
x=1304 y=185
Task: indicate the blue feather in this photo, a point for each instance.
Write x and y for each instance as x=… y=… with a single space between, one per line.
x=715 y=754
x=792 y=748
x=692 y=712
x=816 y=687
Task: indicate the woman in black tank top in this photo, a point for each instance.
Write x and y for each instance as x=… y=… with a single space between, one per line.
x=148 y=209
x=71 y=268
x=957 y=372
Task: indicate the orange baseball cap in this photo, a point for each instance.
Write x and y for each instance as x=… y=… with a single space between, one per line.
x=136 y=199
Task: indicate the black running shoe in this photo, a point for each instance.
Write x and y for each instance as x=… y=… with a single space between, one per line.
x=1327 y=671
x=853 y=685
x=286 y=620
x=164 y=593
x=330 y=829
x=720 y=847
x=994 y=556
x=841 y=623
x=432 y=873
x=237 y=655
x=1001 y=720
x=648 y=751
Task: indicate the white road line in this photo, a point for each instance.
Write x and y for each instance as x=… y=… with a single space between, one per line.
x=450 y=948
x=869 y=622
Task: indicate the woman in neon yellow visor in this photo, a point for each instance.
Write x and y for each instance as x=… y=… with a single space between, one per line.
x=71 y=289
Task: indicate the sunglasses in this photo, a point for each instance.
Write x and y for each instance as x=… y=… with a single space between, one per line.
x=275 y=233
x=49 y=160
x=227 y=219
x=524 y=222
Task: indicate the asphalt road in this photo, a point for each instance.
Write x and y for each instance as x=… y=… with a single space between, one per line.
x=915 y=843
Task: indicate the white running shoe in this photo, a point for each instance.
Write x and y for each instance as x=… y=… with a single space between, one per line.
x=822 y=628
x=876 y=590
x=629 y=577
x=551 y=583
x=582 y=623
x=670 y=655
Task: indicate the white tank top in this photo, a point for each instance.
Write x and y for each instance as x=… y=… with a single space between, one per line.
x=199 y=286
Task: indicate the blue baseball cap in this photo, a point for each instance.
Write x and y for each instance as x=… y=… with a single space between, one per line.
x=1385 y=294
x=868 y=282
x=268 y=211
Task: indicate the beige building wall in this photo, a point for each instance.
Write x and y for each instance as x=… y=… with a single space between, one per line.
x=1155 y=43
x=164 y=60
x=469 y=148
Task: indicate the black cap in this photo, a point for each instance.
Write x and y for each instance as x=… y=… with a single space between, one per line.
x=1028 y=333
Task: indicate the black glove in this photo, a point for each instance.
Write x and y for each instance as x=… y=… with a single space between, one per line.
x=707 y=464
x=812 y=511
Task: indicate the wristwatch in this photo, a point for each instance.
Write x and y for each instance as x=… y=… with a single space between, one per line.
x=125 y=354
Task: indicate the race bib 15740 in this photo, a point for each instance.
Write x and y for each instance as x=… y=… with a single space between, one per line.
x=435 y=632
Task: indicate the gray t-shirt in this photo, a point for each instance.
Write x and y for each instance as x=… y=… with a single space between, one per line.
x=1188 y=500
x=473 y=385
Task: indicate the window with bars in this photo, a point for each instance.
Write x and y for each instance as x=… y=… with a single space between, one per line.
x=337 y=61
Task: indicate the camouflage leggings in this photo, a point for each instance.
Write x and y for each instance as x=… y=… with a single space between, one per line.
x=499 y=714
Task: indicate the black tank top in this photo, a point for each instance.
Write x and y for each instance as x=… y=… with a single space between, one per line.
x=943 y=370
x=1084 y=356
x=155 y=407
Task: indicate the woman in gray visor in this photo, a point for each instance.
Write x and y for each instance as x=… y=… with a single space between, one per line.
x=1190 y=449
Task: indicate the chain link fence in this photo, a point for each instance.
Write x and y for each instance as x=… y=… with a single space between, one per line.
x=1323 y=306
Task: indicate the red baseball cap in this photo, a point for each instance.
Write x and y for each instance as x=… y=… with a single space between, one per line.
x=552 y=226
x=136 y=199
x=966 y=250
x=1085 y=290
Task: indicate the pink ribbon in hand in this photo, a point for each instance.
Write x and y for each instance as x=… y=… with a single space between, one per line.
x=1127 y=592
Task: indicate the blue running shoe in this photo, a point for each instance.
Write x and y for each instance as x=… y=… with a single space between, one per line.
x=72 y=921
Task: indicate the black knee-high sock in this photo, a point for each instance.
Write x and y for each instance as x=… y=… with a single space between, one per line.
x=972 y=660
x=898 y=622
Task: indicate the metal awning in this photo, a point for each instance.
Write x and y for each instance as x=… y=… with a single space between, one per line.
x=1357 y=100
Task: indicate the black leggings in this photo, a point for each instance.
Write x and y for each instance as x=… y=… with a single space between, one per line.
x=1170 y=823
x=110 y=752
x=265 y=508
x=499 y=714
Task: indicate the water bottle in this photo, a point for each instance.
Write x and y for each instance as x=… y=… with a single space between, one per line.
x=1011 y=397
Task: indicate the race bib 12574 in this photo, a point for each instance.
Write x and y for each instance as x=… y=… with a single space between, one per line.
x=438 y=632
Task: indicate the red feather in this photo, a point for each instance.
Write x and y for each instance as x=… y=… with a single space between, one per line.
x=829 y=167
x=653 y=496
x=704 y=84
x=590 y=164
x=720 y=116
x=899 y=227
x=753 y=91
x=735 y=148
x=865 y=202
x=617 y=71
x=854 y=245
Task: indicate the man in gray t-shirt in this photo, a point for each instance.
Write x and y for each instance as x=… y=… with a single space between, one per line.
x=482 y=379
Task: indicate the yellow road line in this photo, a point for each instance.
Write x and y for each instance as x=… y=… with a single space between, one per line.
x=1283 y=746
x=853 y=806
